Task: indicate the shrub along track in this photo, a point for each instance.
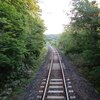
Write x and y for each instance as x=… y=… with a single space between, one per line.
x=33 y=87
x=82 y=88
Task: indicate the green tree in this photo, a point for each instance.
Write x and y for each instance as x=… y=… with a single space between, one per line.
x=82 y=37
x=21 y=38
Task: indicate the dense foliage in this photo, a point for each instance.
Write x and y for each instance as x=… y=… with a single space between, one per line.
x=81 y=39
x=21 y=38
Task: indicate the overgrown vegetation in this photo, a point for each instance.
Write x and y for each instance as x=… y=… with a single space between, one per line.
x=81 y=39
x=21 y=40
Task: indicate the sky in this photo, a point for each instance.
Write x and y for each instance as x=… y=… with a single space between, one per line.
x=54 y=14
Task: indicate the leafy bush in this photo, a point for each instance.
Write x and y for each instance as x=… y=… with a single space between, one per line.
x=81 y=39
x=94 y=77
x=21 y=39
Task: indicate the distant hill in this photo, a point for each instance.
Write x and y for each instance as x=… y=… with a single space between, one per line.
x=51 y=37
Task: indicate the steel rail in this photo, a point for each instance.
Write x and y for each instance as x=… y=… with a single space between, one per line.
x=48 y=78
x=66 y=90
x=47 y=82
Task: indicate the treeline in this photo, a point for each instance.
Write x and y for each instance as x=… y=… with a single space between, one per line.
x=21 y=38
x=52 y=39
x=81 y=39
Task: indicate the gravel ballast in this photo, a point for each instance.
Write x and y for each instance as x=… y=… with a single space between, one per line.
x=82 y=88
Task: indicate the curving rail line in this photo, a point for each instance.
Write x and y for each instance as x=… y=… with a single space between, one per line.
x=59 y=82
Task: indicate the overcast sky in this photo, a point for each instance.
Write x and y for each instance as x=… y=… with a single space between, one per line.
x=54 y=14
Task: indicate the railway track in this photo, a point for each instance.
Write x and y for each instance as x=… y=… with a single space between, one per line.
x=54 y=86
